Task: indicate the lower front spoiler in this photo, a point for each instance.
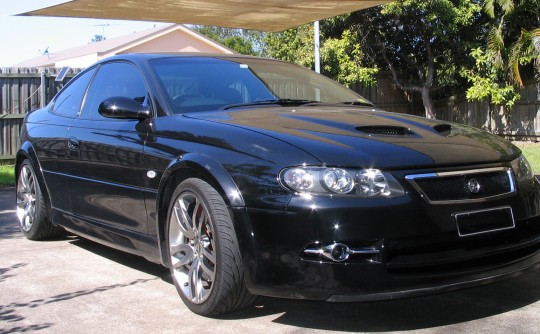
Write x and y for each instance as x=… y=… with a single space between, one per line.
x=361 y=283
x=388 y=295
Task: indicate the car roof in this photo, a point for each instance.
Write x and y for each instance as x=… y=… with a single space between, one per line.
x=143 y=57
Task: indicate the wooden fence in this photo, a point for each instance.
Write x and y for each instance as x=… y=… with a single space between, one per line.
x=522 y=121
x=24 y=89
x=387 y=96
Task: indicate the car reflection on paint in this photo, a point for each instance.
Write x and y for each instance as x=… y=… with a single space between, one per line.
x=250 y=176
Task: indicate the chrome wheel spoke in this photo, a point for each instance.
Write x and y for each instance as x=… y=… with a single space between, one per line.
x=196 y=284
x=183 y=220
x=209 y=255
x=24 y=179
x=182 y=255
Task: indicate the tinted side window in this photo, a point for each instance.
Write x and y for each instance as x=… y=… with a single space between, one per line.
x=68 y=102
x=114 y=79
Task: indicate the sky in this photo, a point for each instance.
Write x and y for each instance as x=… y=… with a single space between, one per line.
x=26 y=37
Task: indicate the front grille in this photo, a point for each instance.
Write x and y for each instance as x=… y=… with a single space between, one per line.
x=463 y=186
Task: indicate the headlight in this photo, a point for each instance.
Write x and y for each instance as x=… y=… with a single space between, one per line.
x=522 y=169
x=370 y=182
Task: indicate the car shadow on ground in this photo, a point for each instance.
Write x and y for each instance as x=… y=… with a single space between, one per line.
x=395 y=315
x=129 y=260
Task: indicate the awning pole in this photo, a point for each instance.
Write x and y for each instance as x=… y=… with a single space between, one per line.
x=317 y=48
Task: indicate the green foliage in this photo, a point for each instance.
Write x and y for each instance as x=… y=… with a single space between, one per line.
x=487 y=81
x=514 y=38
x=342 y=60
x=419 y=42
x=293 y=45
x=7 y=175
x=242 y=41
x=417 y=34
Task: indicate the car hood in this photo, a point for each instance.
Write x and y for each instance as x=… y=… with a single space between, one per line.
x=370 y=137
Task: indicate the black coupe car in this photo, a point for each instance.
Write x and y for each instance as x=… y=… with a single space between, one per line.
x=250 y=176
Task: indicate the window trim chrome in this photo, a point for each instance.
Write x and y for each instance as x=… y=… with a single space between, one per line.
x=413 y=177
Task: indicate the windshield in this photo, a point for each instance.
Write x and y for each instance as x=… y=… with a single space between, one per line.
x=202 y=84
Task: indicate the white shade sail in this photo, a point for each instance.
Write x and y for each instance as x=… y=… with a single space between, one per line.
x=268 y=15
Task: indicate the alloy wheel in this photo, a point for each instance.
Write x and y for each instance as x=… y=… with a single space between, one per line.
x=192 y=247
x=26 y=198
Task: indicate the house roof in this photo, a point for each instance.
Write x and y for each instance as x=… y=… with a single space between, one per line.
x=268 y=15
x=118 y=45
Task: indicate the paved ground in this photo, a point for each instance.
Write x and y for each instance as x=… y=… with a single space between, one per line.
x=71 y=285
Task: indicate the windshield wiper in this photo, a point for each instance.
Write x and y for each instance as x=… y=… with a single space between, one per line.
x=282 y=102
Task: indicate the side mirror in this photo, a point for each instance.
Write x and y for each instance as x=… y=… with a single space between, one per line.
x=123 y=108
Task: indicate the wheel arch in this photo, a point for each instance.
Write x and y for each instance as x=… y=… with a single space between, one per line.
x=27 y=152
x=184 y=167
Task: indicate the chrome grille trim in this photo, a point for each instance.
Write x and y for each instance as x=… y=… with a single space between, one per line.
x=412 y=179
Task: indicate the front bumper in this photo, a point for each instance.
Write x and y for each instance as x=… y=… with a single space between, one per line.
x=421 y=251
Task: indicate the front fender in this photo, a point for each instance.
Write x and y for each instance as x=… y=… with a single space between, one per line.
x=212 y=171
x=193 y=165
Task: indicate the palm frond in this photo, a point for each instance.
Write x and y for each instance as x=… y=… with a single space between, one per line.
x=489 y=8
x=536 y=42
x=507 y=6
x=524 y=50
x=495 y=44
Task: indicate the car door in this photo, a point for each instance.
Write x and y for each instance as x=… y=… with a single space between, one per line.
x=50 y=142
x=107 y=156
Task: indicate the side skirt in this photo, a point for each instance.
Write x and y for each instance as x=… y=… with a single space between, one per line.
x=124 y=240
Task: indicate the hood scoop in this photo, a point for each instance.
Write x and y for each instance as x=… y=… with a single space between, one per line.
x=385 y=130
x=444 y=129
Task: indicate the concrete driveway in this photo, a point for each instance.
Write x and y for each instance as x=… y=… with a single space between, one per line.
x=71 y=285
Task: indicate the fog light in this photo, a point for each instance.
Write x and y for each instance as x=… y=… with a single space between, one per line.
x=339 y=252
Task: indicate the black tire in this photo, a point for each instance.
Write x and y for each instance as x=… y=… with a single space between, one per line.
x=31 y=208
x=203 y=253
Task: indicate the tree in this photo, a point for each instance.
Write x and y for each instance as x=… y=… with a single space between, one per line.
x=344 y=61
x=514 y=39
x=246 y=42
x=486 y=81
x=510 y=55
x=342 y=57
x=293 y=45
x=419 y=42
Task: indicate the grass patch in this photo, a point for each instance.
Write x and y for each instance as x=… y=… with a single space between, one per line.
x=7 y=175
x=532 y=152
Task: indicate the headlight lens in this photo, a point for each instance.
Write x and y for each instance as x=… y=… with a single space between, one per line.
x=298 y=179
x=338 y=181
x=522 y=169
x=372 y=182
x=328 y=181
